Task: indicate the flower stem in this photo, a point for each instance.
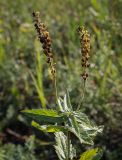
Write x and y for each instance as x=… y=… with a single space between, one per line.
x=82 y=95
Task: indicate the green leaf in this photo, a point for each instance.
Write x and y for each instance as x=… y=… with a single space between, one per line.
x=93 y=154
x=44 y=115
x=48 y=128
x=60 y=101
x=78 y=122
x=83 y=128
x=65 y=104
x=96 y=5
x=62 y=148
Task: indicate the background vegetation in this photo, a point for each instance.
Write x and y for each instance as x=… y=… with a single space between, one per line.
x=18 y=56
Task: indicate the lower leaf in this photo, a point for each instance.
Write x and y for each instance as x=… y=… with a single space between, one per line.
x=48 y=128
x=93 y=154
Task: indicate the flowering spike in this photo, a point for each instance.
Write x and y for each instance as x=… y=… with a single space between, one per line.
x=45 y=40
x=85 y=50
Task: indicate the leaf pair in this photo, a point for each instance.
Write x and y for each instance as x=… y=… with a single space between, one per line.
x=66 y=120
x=74 y=121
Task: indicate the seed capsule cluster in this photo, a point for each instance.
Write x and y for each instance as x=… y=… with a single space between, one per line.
x=45 y=40
x=85 y=50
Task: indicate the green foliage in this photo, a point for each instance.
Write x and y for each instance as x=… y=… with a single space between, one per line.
x=103 y=98
x=38 y=82
x=17 y=152
x=93 y=154
x=2 y=153
x=61 y=147
x=74 y=121
x=83 y=128
x=78 y=123
x=49 y=128
x=45 y=115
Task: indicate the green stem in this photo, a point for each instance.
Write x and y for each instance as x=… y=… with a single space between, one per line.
x=82 y=95
x=56 y=92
